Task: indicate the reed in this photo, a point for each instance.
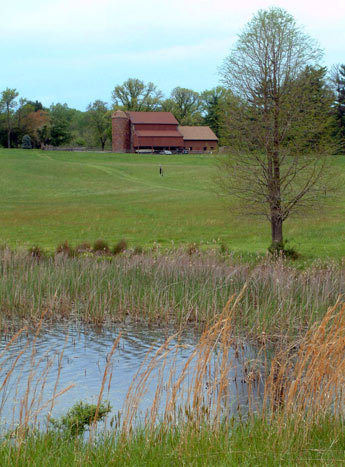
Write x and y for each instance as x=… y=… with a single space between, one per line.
x=279 y=301
x=299 y=419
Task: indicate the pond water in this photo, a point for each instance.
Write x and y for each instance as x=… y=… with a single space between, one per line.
x=34 y=368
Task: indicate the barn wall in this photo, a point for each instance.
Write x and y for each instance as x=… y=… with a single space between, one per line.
x=200 y=145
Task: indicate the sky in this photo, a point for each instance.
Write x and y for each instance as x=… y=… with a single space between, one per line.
x=77 y=51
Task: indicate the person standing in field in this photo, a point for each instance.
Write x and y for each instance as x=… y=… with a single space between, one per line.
x=161 y=171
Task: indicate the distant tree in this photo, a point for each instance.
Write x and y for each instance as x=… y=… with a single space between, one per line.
x=279 y=120
x=36 y=105
x=26 y=142
x=338 y=85
x=38 y=127
x=185 y=105
x=8 y=103
x=100 y=121
x=134 y=95
x=61 y=117
x=212 y=106
x=20 y=120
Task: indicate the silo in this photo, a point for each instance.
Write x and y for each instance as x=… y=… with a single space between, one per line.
x=120 y=132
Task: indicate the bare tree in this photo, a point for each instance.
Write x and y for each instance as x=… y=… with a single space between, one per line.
x=277 y=121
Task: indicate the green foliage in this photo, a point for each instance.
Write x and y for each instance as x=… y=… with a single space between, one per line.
x=212 y=104
x=278 y=120
x=79 y=418
x=8 y=104
x=100 y=122
x=136 y=96
x=338 y=82
x=61 y=116
x=36 y=105
x=184 y=104
x=26 y=142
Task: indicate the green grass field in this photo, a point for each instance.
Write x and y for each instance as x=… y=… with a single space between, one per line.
x=50 y=197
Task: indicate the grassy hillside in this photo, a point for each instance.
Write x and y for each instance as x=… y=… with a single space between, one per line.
x=50 y=197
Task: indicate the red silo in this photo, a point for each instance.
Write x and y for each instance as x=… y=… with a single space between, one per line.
x=120 y=132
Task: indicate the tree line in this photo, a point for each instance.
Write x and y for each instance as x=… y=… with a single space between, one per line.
x=60 y=125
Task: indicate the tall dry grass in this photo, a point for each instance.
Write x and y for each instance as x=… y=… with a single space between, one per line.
x=192 y=408
x=175 y=288
x=301 y=384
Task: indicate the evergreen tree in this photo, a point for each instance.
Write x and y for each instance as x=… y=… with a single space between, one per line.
x=338 y=81
x=26 y=142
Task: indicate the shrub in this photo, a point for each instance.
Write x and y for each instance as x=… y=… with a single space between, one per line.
x=100 y=246
x=120 y=247
x=281 y=250
x=65 y=249
x=80 y=417
x=35 y=252
x=26 y=142
x=223 y=249
x=192 y=249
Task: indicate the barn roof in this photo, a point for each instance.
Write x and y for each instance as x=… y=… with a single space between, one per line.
x=166 y=118
x=197 y=133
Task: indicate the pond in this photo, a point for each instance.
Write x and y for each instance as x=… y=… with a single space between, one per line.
x=36 y=367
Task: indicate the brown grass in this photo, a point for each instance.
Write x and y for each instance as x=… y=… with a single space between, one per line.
x=303 y=381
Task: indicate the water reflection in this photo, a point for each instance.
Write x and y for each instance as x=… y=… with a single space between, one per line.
x=34 y=368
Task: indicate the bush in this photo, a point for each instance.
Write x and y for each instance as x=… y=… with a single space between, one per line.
x=120 y=247
x=192 y=249
x=281 y=250
x=100 y=246
x=65 y=249
x=26 y=142
x=80 y=417
x=223 y=249
x=35 y=252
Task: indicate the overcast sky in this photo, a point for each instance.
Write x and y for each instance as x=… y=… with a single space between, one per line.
x=76 y=51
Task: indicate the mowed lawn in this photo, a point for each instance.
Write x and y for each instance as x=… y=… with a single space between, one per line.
x=49 y=197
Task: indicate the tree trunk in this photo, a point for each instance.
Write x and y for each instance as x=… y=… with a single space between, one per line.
x=9 y=138
x=277 y=230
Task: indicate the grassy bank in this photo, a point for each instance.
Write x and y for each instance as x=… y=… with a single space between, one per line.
x=255 y=443
x=49 y=197
x=299 y=422
x=178 y=288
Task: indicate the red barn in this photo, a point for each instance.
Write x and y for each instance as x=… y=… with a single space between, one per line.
x=198 y=138
x=156 y=131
